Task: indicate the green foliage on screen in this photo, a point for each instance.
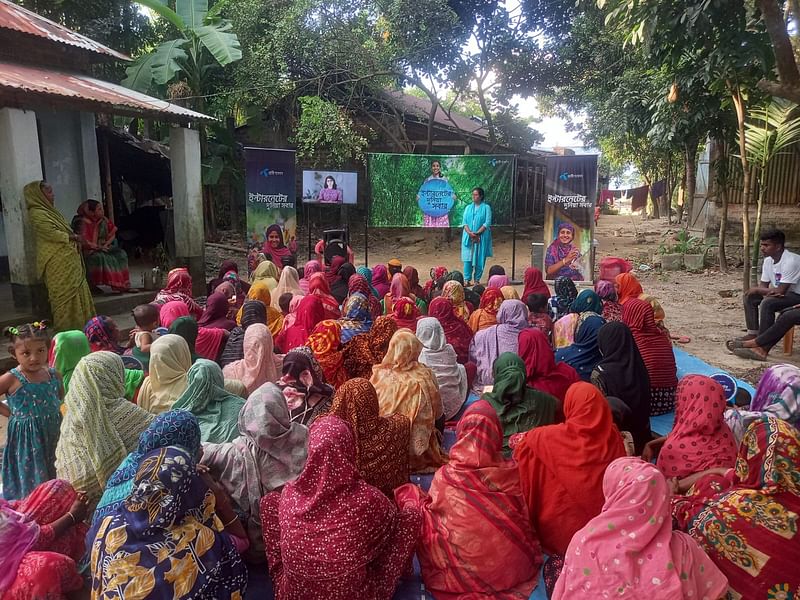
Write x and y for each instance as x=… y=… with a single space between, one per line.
x=395 y=180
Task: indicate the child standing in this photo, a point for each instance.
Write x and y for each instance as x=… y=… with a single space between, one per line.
x=33 y=395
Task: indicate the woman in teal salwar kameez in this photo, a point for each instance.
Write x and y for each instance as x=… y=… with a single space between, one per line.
x=476 y=239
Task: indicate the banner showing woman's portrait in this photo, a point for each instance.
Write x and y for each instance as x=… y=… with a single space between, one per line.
x=570 y=191
x=330 y=187
x=417 y=190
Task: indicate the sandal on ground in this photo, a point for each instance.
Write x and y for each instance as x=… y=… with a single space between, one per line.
x=748 y=353
x=681 y=339
x=733 y=344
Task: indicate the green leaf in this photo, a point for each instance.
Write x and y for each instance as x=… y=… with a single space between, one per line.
x=140 y=73
x=220 y=41
x=167 y=60
x=193 y=12
x=164 y=11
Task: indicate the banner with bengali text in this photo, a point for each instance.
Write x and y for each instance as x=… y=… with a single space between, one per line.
x=270 y=192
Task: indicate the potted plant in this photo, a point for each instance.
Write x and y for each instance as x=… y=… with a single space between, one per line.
x=671 y=259
x=694 y=255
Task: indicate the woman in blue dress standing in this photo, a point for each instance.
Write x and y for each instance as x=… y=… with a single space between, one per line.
x=476 y=240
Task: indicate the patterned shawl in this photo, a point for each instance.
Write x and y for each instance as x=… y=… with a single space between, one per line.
x=381 y=442
x=700 y=439
x=406 y=314
x=288 y=284
x=100 y=426
x=325 y=342
x=303 y=385
x=747 y=520
x=171 y=428
x=358 y=283
x=599 y=558
x=486 y=315
x=101 y=332
x=454 y=292
x=167 y=523
x=495 y=513
x=179 y=289
x=269 y=452
x=364 y=351
x=408 y=388
x=312 y=266
x=319 y=286
x=258 y=365
x=456 y=330
x=487 y=345
x=207 y=399
x=309 y=313
x=357 y=317
x=566 y=292
x=653 y=343
x=440 y=357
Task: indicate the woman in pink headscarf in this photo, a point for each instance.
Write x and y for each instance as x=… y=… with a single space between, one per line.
x=380 y=280
x=630 y=545
x=259 y=364
x=312 y=266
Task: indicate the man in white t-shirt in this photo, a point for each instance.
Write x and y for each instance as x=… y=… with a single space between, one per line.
x=779 y=287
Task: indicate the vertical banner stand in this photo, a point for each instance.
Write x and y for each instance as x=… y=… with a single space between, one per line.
x=514 y=221
x=366 y=218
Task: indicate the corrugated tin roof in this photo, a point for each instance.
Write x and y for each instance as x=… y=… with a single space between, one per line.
x=17 y=18
x=107 y=97
x=421 y=107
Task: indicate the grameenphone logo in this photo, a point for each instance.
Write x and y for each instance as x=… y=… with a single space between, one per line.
x=565 y=176
x=267 y=172
x=494 y=162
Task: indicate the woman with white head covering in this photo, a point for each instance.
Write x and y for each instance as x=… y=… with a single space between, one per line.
x=440 y=357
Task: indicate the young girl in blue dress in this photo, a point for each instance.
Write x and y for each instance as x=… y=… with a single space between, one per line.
x=33 y=394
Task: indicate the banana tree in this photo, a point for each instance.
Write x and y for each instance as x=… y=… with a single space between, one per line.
x=204 y=45
x=771 y=131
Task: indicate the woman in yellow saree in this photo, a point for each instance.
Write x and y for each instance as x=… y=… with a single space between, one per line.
x=58 y=261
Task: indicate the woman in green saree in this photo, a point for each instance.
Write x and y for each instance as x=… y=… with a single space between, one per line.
x=58 y=260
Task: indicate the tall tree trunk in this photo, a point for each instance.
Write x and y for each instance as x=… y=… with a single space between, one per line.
x=690 y=150
x=738 y=103
x=759 y=207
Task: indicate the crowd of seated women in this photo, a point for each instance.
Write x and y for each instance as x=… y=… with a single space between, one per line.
x=279 y=421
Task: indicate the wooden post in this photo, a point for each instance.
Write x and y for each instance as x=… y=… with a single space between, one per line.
x=107 y=177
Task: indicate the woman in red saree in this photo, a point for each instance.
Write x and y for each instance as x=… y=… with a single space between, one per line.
x=318 y=286
x=329 y=534
x=106 y=262
x=179 y=288
x=475 y=503
x=42 y=538
x=456 y=330
x=747 y=519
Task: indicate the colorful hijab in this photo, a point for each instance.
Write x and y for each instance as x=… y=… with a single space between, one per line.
x=312 y=266
x=289 y=284
x=366 y=273
x=66 y=351
x=18 y=535
x=216 y=313
x=368 y=349
x=623 y=374
x=380 y=280
x=170 y=361
x=542 y=372
x=520 y=408
x=561 y=466
x=653 y=343
x=269 y=452
x=628 y=287
x=258 y=365
x=487 y=345
x=456 y=330
x=326 y=343
x=454 y=292
x=206 y=398
x=587 y=301
x=584 y=354
x=440 y=357
x=407 y=387
x=309 y=313
x=776 y=395
x=179 y=288
x=171 y=311
x=100 y=333
x=406 y=314
x=260 y=291
x=100 y=426
x=436 y=273
x=358 y=284
x=700 y=439
x=171 y=428
x=381 y=442
x=280 y=253
x=534 y=284
x=566 y=293
x=746 y=521
x=453 y=566
x=330 y=506
x=497 y=282
x=169 y=502
x=266 y=272
x=650 y=560
x=318 y=286
x=486 y=315
x=303 y=384
x=357 y=317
